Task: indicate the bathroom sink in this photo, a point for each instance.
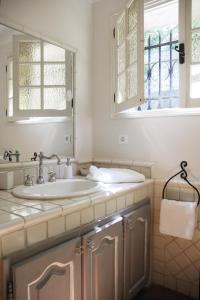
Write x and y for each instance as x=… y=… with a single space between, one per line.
x=62 y=188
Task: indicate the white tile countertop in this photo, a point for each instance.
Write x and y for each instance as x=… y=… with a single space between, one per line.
x=23 y=220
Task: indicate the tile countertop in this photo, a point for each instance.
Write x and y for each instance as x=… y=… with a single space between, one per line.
x=16 y=213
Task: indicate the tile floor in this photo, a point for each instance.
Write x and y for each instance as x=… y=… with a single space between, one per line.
x=159 y=293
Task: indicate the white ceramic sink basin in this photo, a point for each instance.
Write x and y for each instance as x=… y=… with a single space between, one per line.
x=62 y=188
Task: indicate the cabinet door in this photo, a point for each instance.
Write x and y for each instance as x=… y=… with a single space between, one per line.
x=51 y=275
x=136 y=250
x=103 y=262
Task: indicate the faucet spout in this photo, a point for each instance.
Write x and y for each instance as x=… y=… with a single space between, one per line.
x=40 y=179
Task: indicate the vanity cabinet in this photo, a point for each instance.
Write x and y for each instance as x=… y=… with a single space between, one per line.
x=50 y=275
x=136 y=250
x=111 y=262
x=103 y=262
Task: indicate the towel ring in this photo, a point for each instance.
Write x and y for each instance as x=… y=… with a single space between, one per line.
x=183 y=174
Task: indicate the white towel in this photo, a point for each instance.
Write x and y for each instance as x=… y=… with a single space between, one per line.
x=114 y=175
x=178 y=218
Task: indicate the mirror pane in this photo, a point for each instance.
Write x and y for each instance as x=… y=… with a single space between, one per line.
x=54 y=74
x=53 y=53
x=29 y=74
x=55 y=98
x=29 y=98
x=29 y=51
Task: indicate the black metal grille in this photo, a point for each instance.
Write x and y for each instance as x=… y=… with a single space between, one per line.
x=161 y=74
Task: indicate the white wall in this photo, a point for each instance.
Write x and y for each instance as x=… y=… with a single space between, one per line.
x=69 y=22
x=166 y=141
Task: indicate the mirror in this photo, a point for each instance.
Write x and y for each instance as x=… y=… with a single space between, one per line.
x=36 y=96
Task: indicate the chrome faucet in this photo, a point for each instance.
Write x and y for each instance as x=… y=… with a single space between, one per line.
x=9 y=155
x=40 y=178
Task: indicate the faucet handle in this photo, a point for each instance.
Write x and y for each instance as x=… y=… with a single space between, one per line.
x=35 y=155
x=28 y=180
x=52 y=176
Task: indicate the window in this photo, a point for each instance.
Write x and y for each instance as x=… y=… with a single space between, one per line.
x=128 y=45
x=195 y=53
x=166 y=82
x=42 y=77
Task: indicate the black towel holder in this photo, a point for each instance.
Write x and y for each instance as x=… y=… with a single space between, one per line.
x=183 y=175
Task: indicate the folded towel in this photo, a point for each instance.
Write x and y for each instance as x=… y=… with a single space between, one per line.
x=178 y=218
x=113 y=175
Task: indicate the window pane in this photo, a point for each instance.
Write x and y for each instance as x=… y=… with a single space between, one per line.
x=54 y=74
x=154 y=38
x=196 y=46
x=121 y=95
x=121 y=59
x=29 y=51
x=53 y=53
x=195 y=14
x=154 y=55
x=165 y=79
x=29 y=98
x=154 y=80
x=29 y=74
x=55 y=98
x=195 y=81
x=132 y=15
x=121 y=29
x=132 y=81
x=132 y=48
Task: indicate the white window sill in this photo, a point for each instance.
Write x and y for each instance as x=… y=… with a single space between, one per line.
x=159 y=113
x=39 y=120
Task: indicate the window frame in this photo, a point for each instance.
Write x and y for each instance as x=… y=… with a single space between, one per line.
x=39 y=113
x=139 y=98
x=187 y=104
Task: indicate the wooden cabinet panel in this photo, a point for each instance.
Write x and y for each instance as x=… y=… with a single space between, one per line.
x=103 y=262
x=52 y=275
x=136 y=250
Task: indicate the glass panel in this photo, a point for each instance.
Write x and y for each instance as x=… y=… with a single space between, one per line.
x=121 y=58
x=146 y=56
x=29 y=51
x=121 y=95
x=175 y=34
x=53 y=53
x=146 y=38
x=165 y=35
x=55 y=98
x=154 y=38
x=154 y=55
x=165 y=79
x=29 y=74
x=165 y=53
x=29 y=98
x=175 y=79
x=132 y=15
x=132 y=81
x=54 y=74
x=154 y=80
x=195 y=81
x=132 y=48
x=195 y=14
x=121 y=29
x=196 y=46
